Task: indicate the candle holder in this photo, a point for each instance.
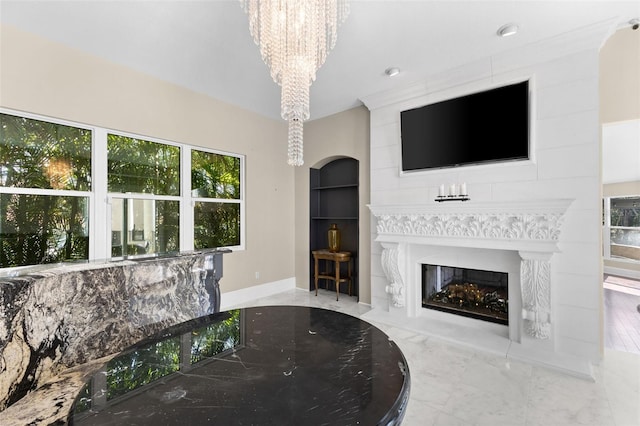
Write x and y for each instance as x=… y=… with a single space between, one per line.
x=441 y=198
x=457 y=192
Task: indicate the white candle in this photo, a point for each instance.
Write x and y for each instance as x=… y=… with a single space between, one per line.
x=441 y=191
x=463 y=188
x=452 y=190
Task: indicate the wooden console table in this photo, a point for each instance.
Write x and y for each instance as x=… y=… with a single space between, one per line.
x=336 y=257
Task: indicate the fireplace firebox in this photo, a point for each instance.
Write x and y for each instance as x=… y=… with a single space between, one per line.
x=468 y=292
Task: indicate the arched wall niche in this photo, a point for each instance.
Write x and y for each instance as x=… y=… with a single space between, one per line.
x=334 y=198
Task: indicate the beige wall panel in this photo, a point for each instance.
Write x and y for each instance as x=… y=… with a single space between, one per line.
x=621 y=189
x=341 y=135
x=42 y=77
x=620 y=77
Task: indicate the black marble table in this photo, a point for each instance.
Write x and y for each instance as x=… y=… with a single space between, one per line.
x=274 y=365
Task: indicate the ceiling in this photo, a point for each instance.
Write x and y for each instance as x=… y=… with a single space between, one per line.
x=205 y=45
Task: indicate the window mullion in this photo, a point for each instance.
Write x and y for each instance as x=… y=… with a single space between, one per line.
x=243 y=215
x=100 y=248
x=606 y=231
x=186 y=202
x=142 y=196
x=43 y=191
x=216 y=200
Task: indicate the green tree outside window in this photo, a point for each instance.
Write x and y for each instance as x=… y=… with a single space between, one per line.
x=215 y=182
x=139 y=166
x=46 y=190
x=625 y=226
x=43 y=228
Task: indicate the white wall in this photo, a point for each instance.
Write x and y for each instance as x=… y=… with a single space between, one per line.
x=566 y=164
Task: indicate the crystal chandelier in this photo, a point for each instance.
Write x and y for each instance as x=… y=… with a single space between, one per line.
x=295 y=37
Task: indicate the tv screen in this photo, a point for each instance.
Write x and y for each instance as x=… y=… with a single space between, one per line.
x=484 y=127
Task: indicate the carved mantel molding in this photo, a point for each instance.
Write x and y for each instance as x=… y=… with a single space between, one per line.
x=391 y=259
x=530 y=227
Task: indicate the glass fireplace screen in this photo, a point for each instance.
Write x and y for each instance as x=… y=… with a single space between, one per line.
x=468 y=292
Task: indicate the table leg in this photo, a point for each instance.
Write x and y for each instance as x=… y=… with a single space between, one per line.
x=337 y=279
x=349 y=276
x=316 y=273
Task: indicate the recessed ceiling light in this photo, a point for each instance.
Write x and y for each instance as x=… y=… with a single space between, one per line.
x=507 y=30
x=392 y=72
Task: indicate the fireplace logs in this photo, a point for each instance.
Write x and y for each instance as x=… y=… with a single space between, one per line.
x=470 y=296
x=451 y=290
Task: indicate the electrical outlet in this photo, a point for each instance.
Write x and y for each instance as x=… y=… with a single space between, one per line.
x=257 y=275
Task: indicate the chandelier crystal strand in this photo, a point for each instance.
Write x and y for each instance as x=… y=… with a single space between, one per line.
x=294 y=150
x=295 y=37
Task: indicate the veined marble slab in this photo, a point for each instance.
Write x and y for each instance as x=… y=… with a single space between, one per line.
x=64 y=316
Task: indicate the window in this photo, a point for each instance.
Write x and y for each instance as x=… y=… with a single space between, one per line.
x=215 y=188
x=70 y=192
x=45 y=183
x=622 y=228
x=143 y=224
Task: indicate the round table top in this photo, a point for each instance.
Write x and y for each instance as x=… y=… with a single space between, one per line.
x=272 y=365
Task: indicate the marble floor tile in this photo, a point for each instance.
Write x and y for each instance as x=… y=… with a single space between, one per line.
x=569 y=400
x=485 y=407
x=420 y=413
x=444 y=419
x=453 y=385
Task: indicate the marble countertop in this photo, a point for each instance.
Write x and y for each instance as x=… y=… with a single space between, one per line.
x=57 y=319
x=274 y=365
x=48 y=269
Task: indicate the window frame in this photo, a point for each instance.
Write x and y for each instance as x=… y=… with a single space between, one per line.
x=143 y=195
x=239 y=200
x=90 y=195
x=193 y=200
x=607 y=227
x=100 y=199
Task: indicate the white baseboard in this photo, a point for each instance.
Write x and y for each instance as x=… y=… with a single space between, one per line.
x=232 y=299
x=626 y=273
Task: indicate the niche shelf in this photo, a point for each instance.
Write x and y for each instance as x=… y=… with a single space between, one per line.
x=334 y=198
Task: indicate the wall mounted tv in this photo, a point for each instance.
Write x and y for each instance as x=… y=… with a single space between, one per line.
x=485 y=127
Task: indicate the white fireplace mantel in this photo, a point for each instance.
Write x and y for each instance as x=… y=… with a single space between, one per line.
x=532 y=228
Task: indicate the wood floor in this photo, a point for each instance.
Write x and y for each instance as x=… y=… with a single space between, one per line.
x=622 y=314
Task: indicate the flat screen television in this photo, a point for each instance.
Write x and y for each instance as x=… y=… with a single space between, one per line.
x=485 y=127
